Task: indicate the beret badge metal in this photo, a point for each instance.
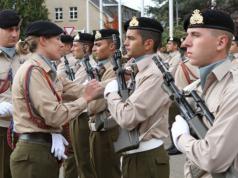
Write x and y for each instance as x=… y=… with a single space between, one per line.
x=98 y=35
x=134 y=22
x=196 y=17
x=77 y=37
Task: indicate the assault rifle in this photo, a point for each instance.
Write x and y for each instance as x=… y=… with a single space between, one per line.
x=91 y=72
x=127 y=140
x=191 y=115
x=70 y=73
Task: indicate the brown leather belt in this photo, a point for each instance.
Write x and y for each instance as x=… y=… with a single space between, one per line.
x=36 y=137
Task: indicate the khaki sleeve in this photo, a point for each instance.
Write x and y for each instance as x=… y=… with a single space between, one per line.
x=71 y=89
x=45 y=102
x=140 y=106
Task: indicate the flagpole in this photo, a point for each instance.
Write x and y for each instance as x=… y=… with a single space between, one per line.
x=171 y=19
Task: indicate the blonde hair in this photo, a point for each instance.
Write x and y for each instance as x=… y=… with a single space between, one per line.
x=30 y=44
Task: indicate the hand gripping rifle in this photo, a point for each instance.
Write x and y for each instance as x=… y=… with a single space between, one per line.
x=70 y=73
x=127 y=140
x=192 y=116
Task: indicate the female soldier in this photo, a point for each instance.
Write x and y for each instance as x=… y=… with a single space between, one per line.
x=39 y=111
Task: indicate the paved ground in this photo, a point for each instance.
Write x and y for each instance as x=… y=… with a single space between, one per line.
x=176 y=164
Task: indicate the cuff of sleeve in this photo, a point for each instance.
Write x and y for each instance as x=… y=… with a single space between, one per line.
x=184 y=141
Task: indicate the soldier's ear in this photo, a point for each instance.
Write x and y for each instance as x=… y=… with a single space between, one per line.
x=222 y=42
x=42 y=41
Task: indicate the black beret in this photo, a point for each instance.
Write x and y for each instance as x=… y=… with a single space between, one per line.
x=9 y=18
x=209 y=18
x=175 y=40
x=43 y=28
x=84 y=38
x=235 y=38
x=143 y=23
x=104 y=34
x=66 y=39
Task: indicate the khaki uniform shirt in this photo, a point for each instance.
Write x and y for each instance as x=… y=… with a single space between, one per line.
x=100 y=105
x=146 y=105
x=55 y=113
x=81 y=74
x=5 y=65
x=61 y=66
x=218 y=150
x=173 y=61
x=235 y=58
x=180 y=76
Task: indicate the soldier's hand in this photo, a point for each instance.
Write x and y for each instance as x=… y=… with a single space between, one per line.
x=58 y=146
x=6 y=109
x=93 y=90
x=179 y=128
x=111 y=87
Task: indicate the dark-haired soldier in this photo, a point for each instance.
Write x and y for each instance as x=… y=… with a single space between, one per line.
x=208 y=40
x=67 y=59
x=79 y=129
x=39 y=111
x=105 y=161
x=10 y=61
x=174 y=57
x=146 y=109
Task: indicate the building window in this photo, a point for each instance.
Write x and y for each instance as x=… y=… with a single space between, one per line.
x=58 y=13
x=73 y=13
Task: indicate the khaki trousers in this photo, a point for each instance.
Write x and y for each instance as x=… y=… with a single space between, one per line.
x=33 y=160
x=79 y=134
x=104 y=160
x=148 y=164
x=5 y=152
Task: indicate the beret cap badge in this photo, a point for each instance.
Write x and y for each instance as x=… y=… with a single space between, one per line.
x=98 y=35
x=134 y=22
x=77 y=37
x=196 y=17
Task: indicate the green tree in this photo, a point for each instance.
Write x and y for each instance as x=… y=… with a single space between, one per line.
x=29 y=10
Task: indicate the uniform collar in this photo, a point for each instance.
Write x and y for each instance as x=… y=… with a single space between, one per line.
x=45 y=63
x=103 y=62
x=143 y=61
x=217 y=72
x=174 y=53
x=10 y=52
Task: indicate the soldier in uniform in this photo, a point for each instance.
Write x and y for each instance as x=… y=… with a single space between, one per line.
x=39 y=112
x=174 y=57
x=173 y=60
x=67 y=62
x=104 y=160
x=10 y=61
x=83 y=44
x=234 y=49
x=209 y=36
x=143 y=110
x=79 y=129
